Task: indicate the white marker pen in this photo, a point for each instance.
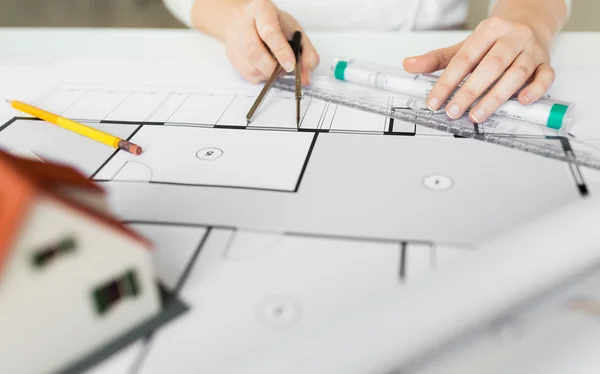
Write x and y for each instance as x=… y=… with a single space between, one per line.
x=544 y=112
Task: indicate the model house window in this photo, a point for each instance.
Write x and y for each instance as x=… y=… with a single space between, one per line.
x=45 y=255
x=111 y=293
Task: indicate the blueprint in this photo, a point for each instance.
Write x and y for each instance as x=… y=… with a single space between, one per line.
x=264 y=228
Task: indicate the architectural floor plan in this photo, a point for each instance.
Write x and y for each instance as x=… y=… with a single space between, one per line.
x=262 y=228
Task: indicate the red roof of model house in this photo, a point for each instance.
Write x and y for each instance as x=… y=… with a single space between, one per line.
x=23 y=180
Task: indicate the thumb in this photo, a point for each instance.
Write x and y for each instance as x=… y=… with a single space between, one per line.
x=432 y=61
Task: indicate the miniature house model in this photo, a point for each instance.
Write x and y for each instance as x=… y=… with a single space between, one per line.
x=72 y=278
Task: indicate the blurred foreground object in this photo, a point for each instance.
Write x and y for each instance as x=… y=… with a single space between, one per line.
x=72 y=277
x=400 y=328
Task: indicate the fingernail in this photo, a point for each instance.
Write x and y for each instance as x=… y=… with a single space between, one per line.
x=525 y=99
x=433 y=103
x=288 y=66
x=477 y=115
x=453 y=111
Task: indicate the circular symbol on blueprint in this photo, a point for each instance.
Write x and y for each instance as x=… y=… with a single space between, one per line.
x=279 y=312
x=209 y=154
x=437 y=182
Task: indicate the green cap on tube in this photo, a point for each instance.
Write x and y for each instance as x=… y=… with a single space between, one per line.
x=557 y=115
x=340 y=70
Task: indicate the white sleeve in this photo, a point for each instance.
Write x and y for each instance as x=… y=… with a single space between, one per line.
x=567 y=2
x=182 y=10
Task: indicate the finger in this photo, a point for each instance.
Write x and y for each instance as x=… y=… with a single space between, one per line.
x=514 y=78
x=310 y=59
x=542 y=81
x=465 y=60
x=500 y=57
x=251 y=73
x=257 y=53
x=244 y=67
x=269 y=30
x=431 y=61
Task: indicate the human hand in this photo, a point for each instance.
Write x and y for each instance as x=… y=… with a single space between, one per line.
x=501 y=56
x=257 y=40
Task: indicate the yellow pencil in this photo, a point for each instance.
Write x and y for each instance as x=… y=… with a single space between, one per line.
x=77 y=127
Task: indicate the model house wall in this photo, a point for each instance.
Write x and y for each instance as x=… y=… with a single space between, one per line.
x=57 y=285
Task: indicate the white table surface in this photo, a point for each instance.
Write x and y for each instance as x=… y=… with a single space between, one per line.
x=571 y=49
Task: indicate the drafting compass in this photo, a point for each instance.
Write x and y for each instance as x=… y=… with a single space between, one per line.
x=295 y=43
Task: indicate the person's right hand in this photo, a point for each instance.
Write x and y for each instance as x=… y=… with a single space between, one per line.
x=259 y=27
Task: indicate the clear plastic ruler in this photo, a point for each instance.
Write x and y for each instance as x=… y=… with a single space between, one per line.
x=507 y=132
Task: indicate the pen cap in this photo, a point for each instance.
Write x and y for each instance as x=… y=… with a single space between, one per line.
x=564 y=113
x=559 y=113
x=341 y=66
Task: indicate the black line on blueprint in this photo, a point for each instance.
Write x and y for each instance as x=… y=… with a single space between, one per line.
x=353 y=238
x=333 y=116
x=114 y=153
x=188 y=269
x=46 y=95
x=148 y=339
x=476 y=128
x=230 y=127
x=403 y=259
x=118 y=105
x=216 y=186
x=575 y=171
x=110 y=121
x=357 y=132
x=322 y=116
x=264 y=128
x=315 y=131
x=179 y=106
x=400 y=133
x=189 y=125
x=154 y=123
x=229 y=243
x=177 y=224
x=201 y=185
x=160 y=105
x=10 y=122
x=287 y=233
x=310 y=150
x=393 y=120
x=228 y=105
x=28 y=119
x=389 y=120
x=84 y=94
x=304 y=114
x=104 y=164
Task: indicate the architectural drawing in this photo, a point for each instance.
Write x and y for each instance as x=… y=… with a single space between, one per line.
x=218 y=158
x=262 y=228
x=331 y=165
x=261 y=285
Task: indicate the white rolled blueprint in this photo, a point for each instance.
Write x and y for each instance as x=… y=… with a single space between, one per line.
x=396 y=328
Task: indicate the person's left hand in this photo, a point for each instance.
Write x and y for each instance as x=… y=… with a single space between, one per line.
x=500 y=53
